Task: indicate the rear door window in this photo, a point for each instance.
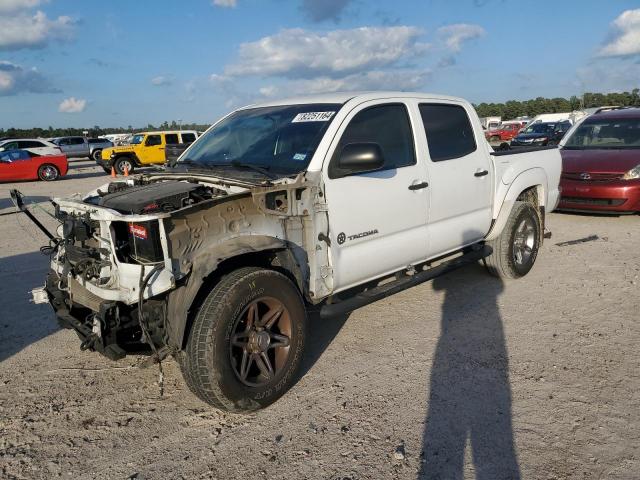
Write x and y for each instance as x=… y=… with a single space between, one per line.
x=30 y=144
x=188 y=137
x=449 y=131
x=171 y=139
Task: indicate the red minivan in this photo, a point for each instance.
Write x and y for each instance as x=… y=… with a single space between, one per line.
x=601 y=163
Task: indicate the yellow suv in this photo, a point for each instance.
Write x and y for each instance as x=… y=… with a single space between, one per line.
x=146 y=148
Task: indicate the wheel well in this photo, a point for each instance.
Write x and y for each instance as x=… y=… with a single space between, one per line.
x=49 y=165
x=280 y=260
x=532 y=196
x=130 y=156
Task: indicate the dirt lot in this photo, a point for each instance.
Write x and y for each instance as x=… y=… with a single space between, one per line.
x=466 y=377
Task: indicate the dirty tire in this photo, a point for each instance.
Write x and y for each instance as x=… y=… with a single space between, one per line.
x=48 y=172
x=213 y=363
x=122 y=162
x=515 y=250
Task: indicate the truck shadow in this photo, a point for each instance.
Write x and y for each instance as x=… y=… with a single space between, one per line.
x=320 y=334
x=21 y=322
x=470 y=394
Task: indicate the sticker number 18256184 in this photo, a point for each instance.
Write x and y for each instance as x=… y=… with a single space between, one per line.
x=312 y=117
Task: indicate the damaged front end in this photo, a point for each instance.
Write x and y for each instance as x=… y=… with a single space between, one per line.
x=129 y=258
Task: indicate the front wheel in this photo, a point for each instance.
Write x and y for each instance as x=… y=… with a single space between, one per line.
x=122 y=165
x=96 y=155
x=247 y=339
x=48 y=173
x=516 y=248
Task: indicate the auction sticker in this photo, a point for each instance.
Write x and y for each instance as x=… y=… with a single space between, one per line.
x=312 y=117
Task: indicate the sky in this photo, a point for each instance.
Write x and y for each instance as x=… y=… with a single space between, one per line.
x=80 y=63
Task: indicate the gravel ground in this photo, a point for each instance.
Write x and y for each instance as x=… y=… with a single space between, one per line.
x=464 y=377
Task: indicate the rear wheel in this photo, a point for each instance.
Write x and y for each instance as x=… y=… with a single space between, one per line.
x=97 y=155
x=246 y=343
x=123 y=164
x=48 y=172
x=515 y=250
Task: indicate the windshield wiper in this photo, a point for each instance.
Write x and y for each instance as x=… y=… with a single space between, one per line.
x=262 y=169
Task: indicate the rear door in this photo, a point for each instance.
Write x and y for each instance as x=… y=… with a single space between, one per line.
x=460 y=177
x=377 y=220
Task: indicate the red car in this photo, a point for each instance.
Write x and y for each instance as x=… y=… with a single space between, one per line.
x=504 y=132
x=601 y=164
x=24 y=165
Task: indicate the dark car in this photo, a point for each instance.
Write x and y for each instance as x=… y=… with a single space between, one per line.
x=601 y=164
x=541 y=134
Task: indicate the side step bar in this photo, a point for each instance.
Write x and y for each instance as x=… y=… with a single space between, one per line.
x=388 y=289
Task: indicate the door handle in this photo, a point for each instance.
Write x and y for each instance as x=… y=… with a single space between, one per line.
x=418 y=186
x=481 y=174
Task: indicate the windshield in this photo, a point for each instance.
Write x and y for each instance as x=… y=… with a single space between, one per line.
x=136 y=139
x=540 y=128
x=279 y=139
x=604 y=133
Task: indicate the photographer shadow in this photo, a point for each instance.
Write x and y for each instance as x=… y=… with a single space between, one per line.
x=470 y=394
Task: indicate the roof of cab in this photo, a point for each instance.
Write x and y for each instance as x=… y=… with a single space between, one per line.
x=620 y=113
x=359 y=97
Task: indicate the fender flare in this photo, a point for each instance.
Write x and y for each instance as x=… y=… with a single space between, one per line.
x=181 y=300
x=534 y=177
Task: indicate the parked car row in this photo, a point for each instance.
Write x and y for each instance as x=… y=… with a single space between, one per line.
x=601 y=155
x=80 y=147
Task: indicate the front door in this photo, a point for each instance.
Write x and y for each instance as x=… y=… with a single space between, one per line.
x=377 y=220
x=461 y=177
x=153 y=151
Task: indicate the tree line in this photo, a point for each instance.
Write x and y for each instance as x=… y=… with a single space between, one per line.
x=506 y=110
x=533 y=107
x=94 y=131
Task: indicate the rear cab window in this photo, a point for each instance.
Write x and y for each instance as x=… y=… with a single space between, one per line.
x=448 y=130
x=171 y=138
x=388 y=126
x=188 y=137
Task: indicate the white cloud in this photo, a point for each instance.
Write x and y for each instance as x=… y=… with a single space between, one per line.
x=23 y=30
x=15 y=79
x=225 y=3
x=299 y=53
x=454 y=36
x=72 y=105
x=371 y=80
x=624 y=39
x=8 y=6
x=161 y=81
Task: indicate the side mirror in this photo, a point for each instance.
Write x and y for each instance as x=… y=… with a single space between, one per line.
x=359 y=158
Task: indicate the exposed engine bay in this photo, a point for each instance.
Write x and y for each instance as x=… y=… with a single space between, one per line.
x=129 y=258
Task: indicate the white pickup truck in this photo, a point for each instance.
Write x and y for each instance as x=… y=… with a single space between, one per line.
x=331 y=202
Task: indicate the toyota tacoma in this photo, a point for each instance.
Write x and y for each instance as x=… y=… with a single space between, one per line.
x=322 y=204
